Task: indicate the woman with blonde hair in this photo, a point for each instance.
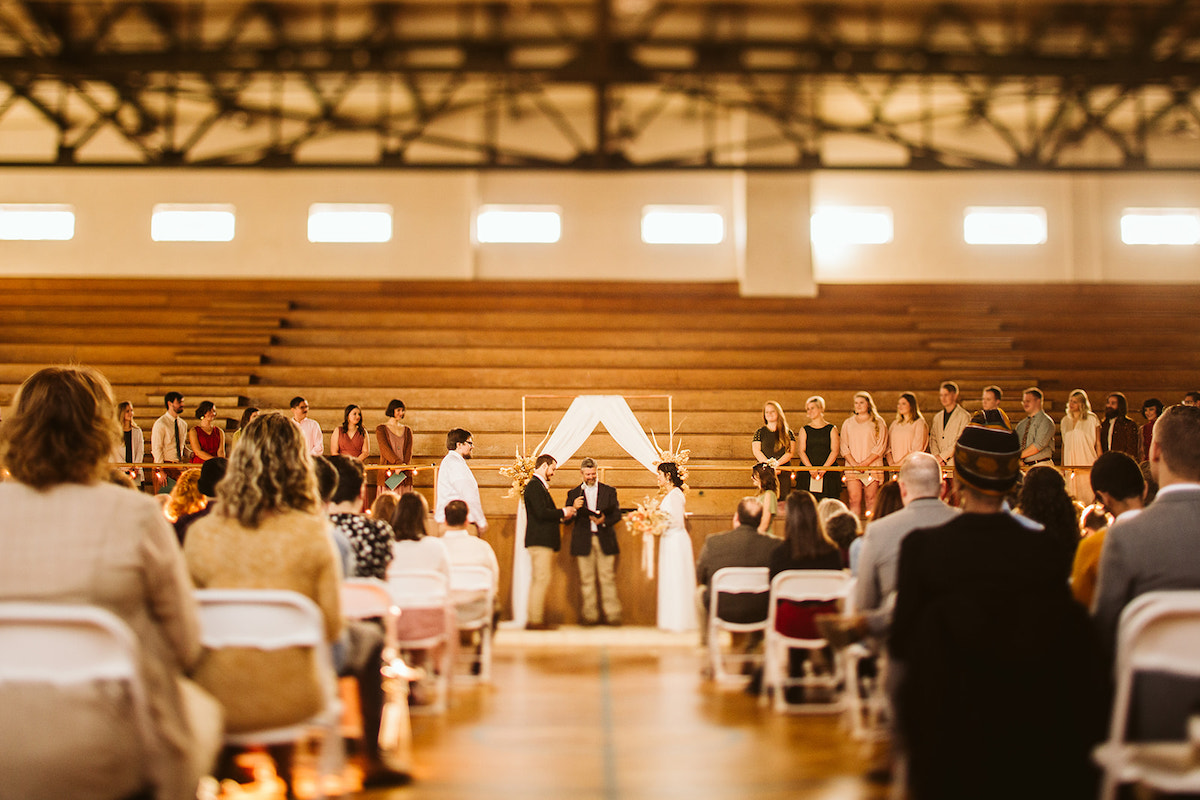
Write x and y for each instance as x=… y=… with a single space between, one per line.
x=131 y=449
x=864 y=441
x=185 y=497
x=1080 y=444
x=267 y=533
x=774 y=440
x=68 y=536
x=908 y=433
x=818 y=446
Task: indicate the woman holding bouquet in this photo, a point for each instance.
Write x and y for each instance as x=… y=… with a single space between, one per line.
x=676 y=561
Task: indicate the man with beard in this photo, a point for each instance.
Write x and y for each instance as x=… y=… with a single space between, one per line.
x=455 y=481
x=1118 y=432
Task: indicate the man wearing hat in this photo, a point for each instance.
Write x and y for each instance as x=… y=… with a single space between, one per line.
x=1003 y=687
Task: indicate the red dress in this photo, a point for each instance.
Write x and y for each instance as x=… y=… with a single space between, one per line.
x=209 y=443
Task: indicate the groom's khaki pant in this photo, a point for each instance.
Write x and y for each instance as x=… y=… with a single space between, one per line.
x=597 y=566
x=542 y=559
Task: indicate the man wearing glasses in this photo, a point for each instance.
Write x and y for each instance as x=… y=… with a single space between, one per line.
x=455 y=481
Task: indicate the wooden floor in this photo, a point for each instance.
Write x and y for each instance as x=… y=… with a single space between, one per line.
x=608 y=714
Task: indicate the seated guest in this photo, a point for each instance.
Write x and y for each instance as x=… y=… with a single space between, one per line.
x=210 y=475
x=1119 y=486
x=267 y=533
x=1044 y=499
x=466 y=550
x=842 y=529
x=1156 y=551
x=1003 y=687
x=888 y=501
x=413 y=550
x=327 y=481
x=384 y=507
x=370 y=538
x=764 y=480
x=68 y=536
x=185 y=497
x=743 y=546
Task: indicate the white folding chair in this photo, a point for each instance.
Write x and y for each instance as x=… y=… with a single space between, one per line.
x=731 y=581
x=274 y=619
x=800 y=586
x=473 y=589
x=370 y=598
x=60 y=647
x=426 y=623
x=1158 y=632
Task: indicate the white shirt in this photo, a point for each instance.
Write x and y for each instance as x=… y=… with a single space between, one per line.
x=167 y=443
x=455 y=482
x=590 y=494
x=466 y=550
x=311 y=431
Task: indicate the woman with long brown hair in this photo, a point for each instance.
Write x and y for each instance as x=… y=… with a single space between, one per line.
x=775 y=441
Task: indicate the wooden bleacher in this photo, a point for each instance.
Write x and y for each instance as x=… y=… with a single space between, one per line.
x=464 y=354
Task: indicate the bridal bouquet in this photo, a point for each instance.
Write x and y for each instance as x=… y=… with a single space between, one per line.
x=648 y=519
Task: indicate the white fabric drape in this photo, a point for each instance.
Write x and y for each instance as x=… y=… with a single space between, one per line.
x=581 y=419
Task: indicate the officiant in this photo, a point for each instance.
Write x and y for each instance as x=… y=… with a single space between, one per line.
x=594 y=545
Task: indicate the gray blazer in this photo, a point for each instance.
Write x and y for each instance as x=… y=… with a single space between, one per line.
x=1158 y=549
x=881 y=548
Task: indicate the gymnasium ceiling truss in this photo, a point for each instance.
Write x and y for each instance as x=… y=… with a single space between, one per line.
x=602 y=85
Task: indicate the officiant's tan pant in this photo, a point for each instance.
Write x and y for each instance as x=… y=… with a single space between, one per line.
x=542 y=559
x=596 y=566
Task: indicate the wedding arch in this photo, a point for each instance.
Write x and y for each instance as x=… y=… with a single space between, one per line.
x=581 y=419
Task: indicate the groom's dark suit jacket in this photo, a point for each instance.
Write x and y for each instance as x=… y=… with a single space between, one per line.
x=543 y=518
x=581 y=536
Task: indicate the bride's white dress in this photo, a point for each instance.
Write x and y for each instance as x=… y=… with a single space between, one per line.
x=1079 y=450
x=676 y=570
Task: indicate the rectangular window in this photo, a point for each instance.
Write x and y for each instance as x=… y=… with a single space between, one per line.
x=1160 y=226
x=37 y=222
x=496 y=224
x=1004 y=225
x=836 y=226
x=349 y=222
x=192 y=222
x=682 y=225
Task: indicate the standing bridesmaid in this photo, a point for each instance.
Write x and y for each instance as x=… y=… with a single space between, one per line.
x=395 y=440
x=350 y=438
x=864 y=441
x=819 y=446
x=775 y=440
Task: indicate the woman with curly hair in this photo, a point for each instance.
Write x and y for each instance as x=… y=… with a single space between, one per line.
x=864 y=441
x=266 y=533
x=1043 y=498
x=68 y=536
x=185 y=497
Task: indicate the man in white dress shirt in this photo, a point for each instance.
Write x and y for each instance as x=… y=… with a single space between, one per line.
x=309 y=428
x=456 y=482
x=168 y=439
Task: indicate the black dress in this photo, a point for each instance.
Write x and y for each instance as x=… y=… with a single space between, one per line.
x=817 y=446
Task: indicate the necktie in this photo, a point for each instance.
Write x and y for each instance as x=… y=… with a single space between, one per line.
x=178 y=446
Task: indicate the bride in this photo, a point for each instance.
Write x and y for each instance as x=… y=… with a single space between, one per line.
x=676 y=563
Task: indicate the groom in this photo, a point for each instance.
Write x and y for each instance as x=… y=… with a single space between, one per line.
x=594 y=544
x=542 y=536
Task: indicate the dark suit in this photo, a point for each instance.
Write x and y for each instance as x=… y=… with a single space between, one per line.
x=1154 y=551
x=597 y=568
x=1126 y=437
x=741 y=547
x=542 y=539
x=1004 y=685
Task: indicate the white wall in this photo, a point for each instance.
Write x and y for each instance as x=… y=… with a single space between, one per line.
x=766 y=247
